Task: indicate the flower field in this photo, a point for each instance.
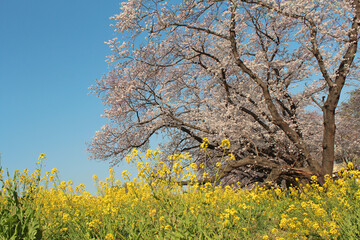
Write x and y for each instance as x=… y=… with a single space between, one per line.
x=153 y=205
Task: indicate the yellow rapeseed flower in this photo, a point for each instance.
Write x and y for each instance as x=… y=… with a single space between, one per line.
x=314 y=178
x=152 y=212
x=109 y=236
x=225 y=143
x=95 y=177
x=148 y=153
x=177 y=167
x=128 y=158
x=204 y=144
x=125 y=174
x=66 y=217
x=231 y=211
x=193 y=166
x=231 y=157
x=134 y=152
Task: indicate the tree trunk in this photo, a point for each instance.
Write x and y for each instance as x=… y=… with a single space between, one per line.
x=328 y=154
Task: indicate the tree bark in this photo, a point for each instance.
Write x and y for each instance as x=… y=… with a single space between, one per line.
x=328 y=154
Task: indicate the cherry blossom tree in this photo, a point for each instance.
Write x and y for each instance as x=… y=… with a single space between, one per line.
x=242 y=70
x=348 y=130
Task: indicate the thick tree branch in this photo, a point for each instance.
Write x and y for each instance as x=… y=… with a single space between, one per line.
x=276 y=118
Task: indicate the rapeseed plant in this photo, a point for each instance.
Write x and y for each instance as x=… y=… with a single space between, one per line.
x=155 y=205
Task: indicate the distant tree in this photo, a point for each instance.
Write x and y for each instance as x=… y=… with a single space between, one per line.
x=237 y=69
x=348 y=129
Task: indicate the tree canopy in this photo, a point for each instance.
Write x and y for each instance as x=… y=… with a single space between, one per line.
x=242 y=70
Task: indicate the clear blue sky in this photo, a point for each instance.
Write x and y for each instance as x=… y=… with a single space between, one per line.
x=51 y=52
